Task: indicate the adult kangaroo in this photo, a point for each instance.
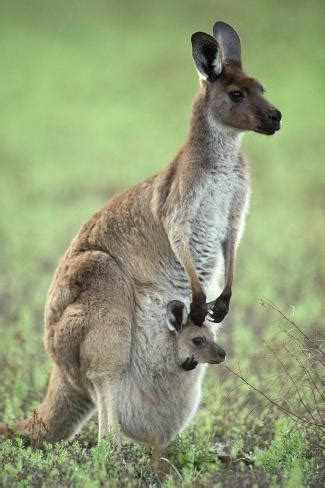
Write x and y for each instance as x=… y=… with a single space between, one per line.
x=165 y=238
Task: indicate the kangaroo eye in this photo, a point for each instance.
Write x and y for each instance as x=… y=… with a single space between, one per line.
x=236 y=95
x=198 y=341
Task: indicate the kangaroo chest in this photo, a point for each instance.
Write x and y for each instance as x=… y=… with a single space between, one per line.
x=220 y=193
x=211 y=222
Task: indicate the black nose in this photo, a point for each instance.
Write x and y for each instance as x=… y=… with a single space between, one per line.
x=275 y=116
x=221 y=352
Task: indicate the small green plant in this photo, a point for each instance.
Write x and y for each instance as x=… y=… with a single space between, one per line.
x=287 y=453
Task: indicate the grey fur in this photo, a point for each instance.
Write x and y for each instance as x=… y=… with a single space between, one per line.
x=167 y=238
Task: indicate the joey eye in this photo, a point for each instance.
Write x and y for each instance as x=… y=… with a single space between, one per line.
x=236 y=95
x=198 y=341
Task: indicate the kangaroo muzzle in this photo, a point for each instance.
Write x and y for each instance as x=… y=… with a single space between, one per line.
x=218 y=354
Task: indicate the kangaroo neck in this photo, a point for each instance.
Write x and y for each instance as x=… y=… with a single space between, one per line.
x=211 y=144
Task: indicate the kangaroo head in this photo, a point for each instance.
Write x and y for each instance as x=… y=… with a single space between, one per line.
x=192 y=340
x=233 y=98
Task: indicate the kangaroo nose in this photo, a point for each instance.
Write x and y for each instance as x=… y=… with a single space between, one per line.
x=218 y=354
x=275 y=115
x=221 y=353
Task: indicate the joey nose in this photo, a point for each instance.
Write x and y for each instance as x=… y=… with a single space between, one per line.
x=222 y=353
x=219 y=354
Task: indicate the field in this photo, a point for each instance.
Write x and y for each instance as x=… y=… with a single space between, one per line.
x=96 y=96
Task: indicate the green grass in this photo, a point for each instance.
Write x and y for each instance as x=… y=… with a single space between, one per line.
x=96 y=96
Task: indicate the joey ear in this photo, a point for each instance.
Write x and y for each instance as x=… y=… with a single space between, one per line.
x=206 y=55
x=176 y=315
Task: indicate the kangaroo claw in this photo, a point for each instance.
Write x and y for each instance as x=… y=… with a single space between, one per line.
x=219 y=309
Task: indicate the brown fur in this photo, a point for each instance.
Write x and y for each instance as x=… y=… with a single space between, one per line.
x=129 y=259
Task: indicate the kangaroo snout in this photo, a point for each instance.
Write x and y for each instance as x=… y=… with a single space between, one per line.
x=219 y=354
x=269 y=121
x=274 y=117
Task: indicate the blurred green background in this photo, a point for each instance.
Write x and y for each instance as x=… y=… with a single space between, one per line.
x=96 y=96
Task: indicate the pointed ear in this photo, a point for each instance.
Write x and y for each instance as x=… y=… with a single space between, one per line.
x=229 y=42
x=207 y=56
x=176 y=316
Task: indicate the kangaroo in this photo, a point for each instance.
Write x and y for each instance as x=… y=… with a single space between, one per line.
x=167 y=237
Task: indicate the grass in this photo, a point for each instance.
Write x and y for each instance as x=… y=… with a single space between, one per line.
x=96 y=96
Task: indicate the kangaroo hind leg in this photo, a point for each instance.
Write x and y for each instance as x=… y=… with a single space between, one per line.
x=62 y=413
x=106 y=397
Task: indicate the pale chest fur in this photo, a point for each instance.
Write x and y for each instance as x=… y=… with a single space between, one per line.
x=220 y=189
x=210 y=223
x=225 y=193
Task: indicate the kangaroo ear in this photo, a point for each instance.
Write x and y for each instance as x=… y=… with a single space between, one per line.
x=176 y=315
x=207 y=56
x=229 y=42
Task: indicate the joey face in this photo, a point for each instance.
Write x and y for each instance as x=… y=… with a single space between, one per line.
x=233 y=98
x=198 y=341
x=192 y=340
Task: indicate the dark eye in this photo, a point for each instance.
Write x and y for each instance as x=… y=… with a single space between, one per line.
x=198 y=341
x=236 y=95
